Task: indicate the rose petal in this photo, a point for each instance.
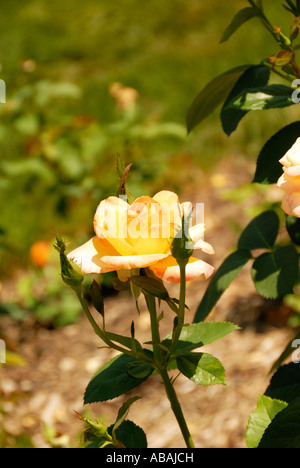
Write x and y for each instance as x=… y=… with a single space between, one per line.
x=285 y=162
x=293 y=171
x=151 y=223
x=197 y=232
x=151 y=246
x=164 y=196
x=110 y=222
x=292 y=157
x=140 y=204
x=204 y=246
x=168 y=269
x=291 y=204
x=88 y=256
x=132 y=261
x=169 y=202
x=291 y=184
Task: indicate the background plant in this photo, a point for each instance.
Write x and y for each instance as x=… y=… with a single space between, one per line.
x=275 y=271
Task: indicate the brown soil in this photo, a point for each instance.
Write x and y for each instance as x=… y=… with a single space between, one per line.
x=59 y=363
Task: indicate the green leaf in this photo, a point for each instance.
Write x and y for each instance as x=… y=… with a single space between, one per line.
x=293 y=228
x=220 y=281
x=267 y=97
x=155 y=287
x=295 y=9
x=284 y=430
x=276 y=273
x=150 y=285
x=267 y=409
x=131 y=435
x=202 y=368
x=285 y=383
x=268 y=168
x=97 y=298
x=254 y=77
x=212 y=96
x=200 y=334
x=112 y=380
x=139 y=369
x=125 y=341
x=123 y=412
x=261 y=232
x=240 y=18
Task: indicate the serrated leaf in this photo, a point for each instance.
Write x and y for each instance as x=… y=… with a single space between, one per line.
x=254 y=77
x=239 y=19
x=268 y=168
x=284 y=430
x=202 y=368
x=285 y=383
x=131 y=435
x=261 y=232
x=200 y=334
x=123 y=412
x=112 y=380
x=221 y=280
x=275 y=273
x=267 y=409
x=213 y=95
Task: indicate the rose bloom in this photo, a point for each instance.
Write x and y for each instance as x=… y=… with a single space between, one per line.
x=139 y=236
x=290 y=180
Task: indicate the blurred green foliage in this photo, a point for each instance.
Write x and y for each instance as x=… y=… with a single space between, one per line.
x=66 y=119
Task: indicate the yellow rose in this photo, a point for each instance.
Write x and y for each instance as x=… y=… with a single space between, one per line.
x=290 y=180
x=138 y=236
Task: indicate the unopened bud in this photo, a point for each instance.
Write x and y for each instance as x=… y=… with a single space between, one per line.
x=70 y=271
x=94 y=429
x=182 y=246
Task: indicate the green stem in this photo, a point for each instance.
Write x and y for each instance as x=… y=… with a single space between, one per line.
x=150 y=299
x=170 y=391
x=176 y=408
x=286 y=77
x=96 y=327
x=264 y=20
x=181 y=311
